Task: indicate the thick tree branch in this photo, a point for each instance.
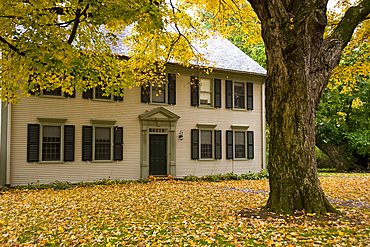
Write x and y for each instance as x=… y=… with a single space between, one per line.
x=12 y=47
x=76 y=22
x=344 y=31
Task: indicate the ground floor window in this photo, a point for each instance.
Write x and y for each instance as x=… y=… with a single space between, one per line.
x=103 y=143
x=206 y=142
x=239 y=144
x=51 y=143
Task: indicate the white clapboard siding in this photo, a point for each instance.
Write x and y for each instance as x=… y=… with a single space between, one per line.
x=79 y=111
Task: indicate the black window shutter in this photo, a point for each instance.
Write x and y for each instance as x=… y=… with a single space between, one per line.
x=218 y=150
x=88 y=94
x=229 y=93
x=229 y=144
x=145 y=93
x=118 y=98
x=33 y=137
x=195 y=144
x=250 y=141
x=194 y=85
x=36 y=90
x=87 y=139
x=250 y=96
x=217 y=90
x=172 y=89
x=69 y=142
x=73 y=95
x=118 y=141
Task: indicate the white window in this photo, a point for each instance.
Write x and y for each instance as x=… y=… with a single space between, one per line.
x=205 y=92
x=239 y=144
x=239 y=95
x=158 y=92
x=206 y=144
x=103 y=143
x=99 y=94
x=55 y=92
x=51 y=148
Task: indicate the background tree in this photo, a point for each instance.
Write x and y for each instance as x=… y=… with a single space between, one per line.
x=343 y=118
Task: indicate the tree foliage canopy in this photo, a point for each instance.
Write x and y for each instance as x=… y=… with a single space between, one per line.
x=52 y=44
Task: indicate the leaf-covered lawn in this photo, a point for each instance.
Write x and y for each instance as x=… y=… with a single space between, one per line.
x=178 y=213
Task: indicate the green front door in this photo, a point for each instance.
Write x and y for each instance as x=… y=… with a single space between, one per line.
x=157 y=154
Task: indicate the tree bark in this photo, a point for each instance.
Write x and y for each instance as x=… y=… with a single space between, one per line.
x=299 y=65
x=336 y=155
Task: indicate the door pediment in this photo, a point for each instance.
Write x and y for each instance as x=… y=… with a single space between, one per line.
x=159 y=113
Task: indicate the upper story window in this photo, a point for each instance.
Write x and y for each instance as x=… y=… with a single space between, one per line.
x=99 y=94
x=55 y=92
x=162 y=93
x=158 y=93
x=205 y=92
x=239 y=95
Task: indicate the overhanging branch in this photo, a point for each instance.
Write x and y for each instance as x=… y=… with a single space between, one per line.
x=354 y=16
x=76 y=22
x=12 y=47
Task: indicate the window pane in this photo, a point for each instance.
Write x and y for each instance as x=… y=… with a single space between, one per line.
x=239 y=95
x=205 y=95
x=206 y=144
x=99 y=93
x=51 y=143
x=240 y=144
x=158 y=93
x=55 y=92
x=102 y=143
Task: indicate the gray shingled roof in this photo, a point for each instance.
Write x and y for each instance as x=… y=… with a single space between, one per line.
x=219 y=50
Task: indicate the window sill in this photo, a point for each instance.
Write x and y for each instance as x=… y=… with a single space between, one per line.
x=206 y=107
x=239 y=109
x=240 y=159
x=102 y=161
x=103 y=100
x=210 y=159
x=51 y=162
x=160 y=104
x=52 y=96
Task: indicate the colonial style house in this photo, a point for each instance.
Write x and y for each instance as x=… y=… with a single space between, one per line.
x=216 y=126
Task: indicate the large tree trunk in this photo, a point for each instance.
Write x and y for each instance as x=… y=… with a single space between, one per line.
x=336 y=155
x=299 y=64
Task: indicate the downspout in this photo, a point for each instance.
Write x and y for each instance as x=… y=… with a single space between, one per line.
x=8 y=135
x=263 y=165
x=3 y=143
